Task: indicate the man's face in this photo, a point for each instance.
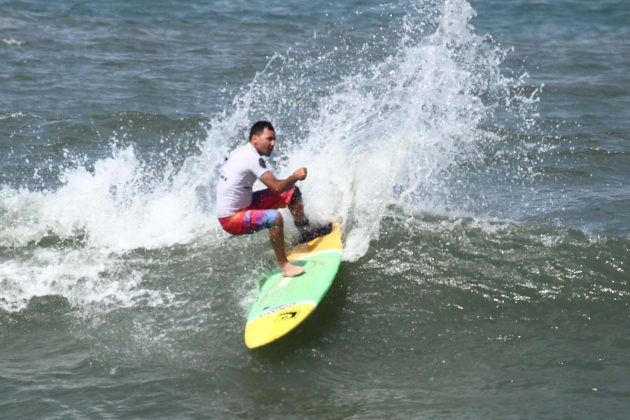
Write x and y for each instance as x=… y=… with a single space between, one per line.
x=264 y=142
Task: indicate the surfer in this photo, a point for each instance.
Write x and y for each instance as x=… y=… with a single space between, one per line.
x=241 y=211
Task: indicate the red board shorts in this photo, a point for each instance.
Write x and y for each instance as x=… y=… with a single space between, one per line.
x=260 y=214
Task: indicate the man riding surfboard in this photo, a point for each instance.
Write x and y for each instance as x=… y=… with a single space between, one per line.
x=241 y=211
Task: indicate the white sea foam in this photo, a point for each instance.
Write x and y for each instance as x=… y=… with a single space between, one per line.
x=82 y=277
x=12 y=115
x=111 y=209
x=389 y=134
x=116 y=206
x=12 y=42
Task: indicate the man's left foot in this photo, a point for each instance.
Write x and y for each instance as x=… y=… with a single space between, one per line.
x=290 y=270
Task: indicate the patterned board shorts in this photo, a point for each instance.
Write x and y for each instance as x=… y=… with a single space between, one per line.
x=260 y=214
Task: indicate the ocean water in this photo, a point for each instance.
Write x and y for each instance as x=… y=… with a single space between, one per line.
x=476 y=154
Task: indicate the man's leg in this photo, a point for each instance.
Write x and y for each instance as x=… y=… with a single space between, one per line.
x=296 y=207
x=307 y=231
x=276 y=236
x=292 y=198
x=250 y=221
x=299 y=218
x=265 y=199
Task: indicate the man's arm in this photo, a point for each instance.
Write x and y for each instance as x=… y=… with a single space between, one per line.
x=278 y=186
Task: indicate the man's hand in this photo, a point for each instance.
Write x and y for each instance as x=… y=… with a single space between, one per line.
x=300 y=174
x=279 y=186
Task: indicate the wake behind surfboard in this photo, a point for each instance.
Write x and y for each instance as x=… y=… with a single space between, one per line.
x=284 y=302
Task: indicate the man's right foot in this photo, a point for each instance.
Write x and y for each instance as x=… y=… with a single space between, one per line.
x=313 y=232
x=290 y=270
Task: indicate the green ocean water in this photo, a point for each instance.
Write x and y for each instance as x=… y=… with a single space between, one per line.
x=476 y=155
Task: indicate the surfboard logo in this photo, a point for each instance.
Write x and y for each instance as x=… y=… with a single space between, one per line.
x=287 y=315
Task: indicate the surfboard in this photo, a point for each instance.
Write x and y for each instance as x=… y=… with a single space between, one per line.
x=284 y=302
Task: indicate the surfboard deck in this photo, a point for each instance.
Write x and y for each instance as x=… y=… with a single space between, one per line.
x=284 y=302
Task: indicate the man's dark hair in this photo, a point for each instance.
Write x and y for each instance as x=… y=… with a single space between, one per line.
x=259 y=127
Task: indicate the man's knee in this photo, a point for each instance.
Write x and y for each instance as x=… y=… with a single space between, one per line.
x=278 y=220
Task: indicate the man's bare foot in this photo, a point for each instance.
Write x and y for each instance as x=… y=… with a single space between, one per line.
x=290 y=270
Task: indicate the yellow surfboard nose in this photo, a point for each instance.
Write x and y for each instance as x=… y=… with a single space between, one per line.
x=273 y=325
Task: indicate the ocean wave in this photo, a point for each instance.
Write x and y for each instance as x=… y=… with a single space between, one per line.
x=377 y=133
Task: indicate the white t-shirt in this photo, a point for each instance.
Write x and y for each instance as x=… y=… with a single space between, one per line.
x=240 y=170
